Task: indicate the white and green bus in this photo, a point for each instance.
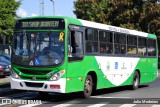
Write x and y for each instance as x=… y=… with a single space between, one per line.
x=64 y=55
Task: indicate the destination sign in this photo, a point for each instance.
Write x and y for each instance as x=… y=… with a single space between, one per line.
x=40 y=24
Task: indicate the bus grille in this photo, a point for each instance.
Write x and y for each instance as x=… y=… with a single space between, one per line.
x=37 y=85
x=34 y=72
x=37 y=78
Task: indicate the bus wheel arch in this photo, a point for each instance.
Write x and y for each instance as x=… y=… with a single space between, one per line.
x=136 y=79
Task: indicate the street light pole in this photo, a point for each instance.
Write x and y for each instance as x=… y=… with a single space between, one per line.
x=53 y=7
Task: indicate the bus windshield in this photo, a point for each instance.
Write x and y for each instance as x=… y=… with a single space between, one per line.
x=38 y=48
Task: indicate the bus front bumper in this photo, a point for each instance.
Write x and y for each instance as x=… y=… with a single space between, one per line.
x=47 y=86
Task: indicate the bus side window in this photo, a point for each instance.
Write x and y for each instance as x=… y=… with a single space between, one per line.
x=151 y=47
x=91 y=40
x=75 y=46
x=120 y=43
x=142 y=46
x=131 y=45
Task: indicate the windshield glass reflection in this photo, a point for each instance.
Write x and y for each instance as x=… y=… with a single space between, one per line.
x=38 y=49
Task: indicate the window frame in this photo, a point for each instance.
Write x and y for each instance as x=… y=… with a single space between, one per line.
x=77 y=56
x=91 y=41
x=133 y=45
x=120 y=44
x=113 y=43
x=154 y=47
x=141 y=46
x=105 y=32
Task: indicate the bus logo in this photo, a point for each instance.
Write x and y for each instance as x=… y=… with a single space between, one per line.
x=33 y=78
x=108 y=66
x=123 y=67
x=116 y=65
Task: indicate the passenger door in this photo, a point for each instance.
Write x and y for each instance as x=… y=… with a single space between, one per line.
x=75 y=69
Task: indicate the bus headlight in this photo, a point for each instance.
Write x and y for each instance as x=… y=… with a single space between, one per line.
x=57 y=75
x=14 y=75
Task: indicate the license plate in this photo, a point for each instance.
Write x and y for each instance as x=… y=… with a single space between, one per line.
x=7 y=69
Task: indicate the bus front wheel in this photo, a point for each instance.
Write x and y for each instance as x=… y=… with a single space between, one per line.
x=88 y=87
x=136 y=79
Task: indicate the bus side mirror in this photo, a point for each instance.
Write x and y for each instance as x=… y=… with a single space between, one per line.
x=6 y=51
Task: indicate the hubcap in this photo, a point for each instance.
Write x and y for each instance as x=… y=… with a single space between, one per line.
x=88 y=86
x=136 y=81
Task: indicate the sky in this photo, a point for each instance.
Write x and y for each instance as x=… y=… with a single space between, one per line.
x=32 y=8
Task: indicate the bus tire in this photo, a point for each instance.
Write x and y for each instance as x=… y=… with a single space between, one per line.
x=88 y=87
x=136 y=80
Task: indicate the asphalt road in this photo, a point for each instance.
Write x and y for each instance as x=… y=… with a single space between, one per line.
x=148 y=95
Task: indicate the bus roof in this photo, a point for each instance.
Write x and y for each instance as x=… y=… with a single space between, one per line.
x=97 y=26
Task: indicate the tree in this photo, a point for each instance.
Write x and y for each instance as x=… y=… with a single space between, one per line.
x=7 y=18
x=142 y=15
x=92 y=10
x=150 y=21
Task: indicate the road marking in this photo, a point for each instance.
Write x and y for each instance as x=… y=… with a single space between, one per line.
x=96 y=105
x=63 y=105
x=29 y=105
x=127 y=105
x=108 y=97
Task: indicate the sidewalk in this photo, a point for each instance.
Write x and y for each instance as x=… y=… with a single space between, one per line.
x=5 y=79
